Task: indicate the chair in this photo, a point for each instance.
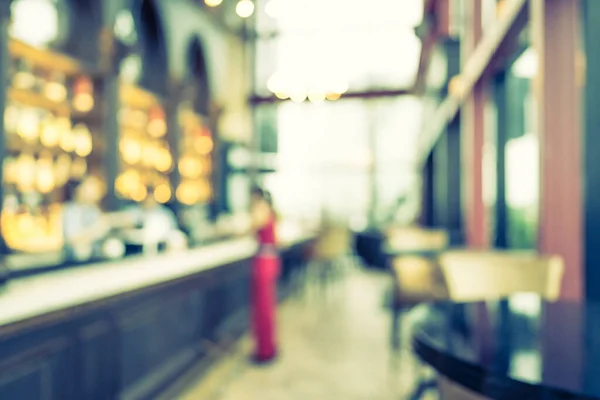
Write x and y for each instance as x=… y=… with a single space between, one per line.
x=475 y=276
x=416 y=239
x=416 y=278
x=332 y=246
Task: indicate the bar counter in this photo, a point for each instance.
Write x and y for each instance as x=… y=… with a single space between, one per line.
x=126 y=329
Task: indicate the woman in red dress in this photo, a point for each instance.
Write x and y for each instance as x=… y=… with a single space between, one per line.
x=265 y=271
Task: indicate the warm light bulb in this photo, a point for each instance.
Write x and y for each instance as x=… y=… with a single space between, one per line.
x=163 y=160
x=298 y=97
x=45 y=180
x=55 y=91
x=316 y=97
x=162 y=193
x=82 y=138
x=157 y=128
x=204 y=145
x=83 y=102
x=244 y=8
x=66 y=141
x=275 y=83
x=50 y=135
x=340 y=87
x=140 y=193
x=29 y=125
x=213 y=3
x=333 y=96
x=273 y=8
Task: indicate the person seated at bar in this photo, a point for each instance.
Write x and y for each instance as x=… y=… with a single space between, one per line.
x=84 y=227
x=156 y=225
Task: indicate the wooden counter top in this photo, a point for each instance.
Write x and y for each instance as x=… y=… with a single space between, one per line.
x=38 y=295
x=35 y=296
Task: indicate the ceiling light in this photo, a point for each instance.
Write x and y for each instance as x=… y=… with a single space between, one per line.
x=340 y=87
x=275 y=83
x=298 y=97
x=316 y=97
x=273 y=8
x=213 y=3
x=244 y=8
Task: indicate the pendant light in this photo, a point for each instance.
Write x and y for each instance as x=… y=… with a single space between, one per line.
x=244 y=8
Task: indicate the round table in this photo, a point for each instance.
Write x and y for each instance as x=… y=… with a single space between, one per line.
x=520 y=347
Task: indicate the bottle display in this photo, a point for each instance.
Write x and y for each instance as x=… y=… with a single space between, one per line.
x=49 y=141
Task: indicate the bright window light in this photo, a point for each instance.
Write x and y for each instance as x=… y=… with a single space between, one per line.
x=526 y=65
x=522 y=170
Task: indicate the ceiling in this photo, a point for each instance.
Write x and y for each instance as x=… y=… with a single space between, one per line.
x=359 y=44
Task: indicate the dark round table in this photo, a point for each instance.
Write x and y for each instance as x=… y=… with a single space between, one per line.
x=520 y=347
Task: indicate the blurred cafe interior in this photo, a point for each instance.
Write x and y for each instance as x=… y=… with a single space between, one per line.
x=432 y=171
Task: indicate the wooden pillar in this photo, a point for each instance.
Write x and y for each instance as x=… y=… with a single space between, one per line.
x=556 y=36
x=474 y=139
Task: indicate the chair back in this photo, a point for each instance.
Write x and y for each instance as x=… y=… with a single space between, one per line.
x=418 y=279
x=476 y=276
x=332 y=242
x=413 y=239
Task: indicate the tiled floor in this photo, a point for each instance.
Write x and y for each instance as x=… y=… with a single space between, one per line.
x=331 y=348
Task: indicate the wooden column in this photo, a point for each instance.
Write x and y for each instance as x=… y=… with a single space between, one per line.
x=556 y=37
x=473 y=139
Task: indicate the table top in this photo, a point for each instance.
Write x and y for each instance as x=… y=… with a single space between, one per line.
x=519 y=347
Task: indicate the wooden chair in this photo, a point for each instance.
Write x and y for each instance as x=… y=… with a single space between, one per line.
x=475 y=276
x=416 y=239
x=331 y=248
x=416 y=280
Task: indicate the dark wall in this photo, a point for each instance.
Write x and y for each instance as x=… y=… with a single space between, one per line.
x=591 y=147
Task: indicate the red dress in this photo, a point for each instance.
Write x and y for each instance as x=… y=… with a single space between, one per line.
x=265 y=271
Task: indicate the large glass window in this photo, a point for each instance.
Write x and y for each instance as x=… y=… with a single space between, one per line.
x=347 y=160
x=522 y=156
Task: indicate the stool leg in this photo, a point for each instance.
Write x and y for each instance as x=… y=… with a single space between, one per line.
x=396 y=313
